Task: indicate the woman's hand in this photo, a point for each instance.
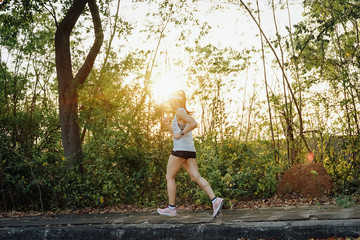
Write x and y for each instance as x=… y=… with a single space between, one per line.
x=166 y=121
x=177 y=135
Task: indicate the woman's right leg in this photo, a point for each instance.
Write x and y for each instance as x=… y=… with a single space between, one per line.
x=173 y=166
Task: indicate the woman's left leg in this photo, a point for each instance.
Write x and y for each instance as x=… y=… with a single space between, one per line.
x=191 y=167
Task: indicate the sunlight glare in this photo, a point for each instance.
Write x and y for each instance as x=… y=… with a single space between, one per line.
x=166 y=83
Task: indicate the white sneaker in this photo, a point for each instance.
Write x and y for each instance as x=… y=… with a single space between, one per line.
x=217 y=205
x=167 y=211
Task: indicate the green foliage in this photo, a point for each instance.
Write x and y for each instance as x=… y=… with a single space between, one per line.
x=342 y=165
x=344 y=201
x=314 y=174
x=236 y=170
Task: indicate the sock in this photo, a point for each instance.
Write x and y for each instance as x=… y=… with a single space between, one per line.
x=213 y=200
x=172 y=207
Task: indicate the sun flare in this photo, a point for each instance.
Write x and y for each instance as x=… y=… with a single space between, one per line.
x=166 y=83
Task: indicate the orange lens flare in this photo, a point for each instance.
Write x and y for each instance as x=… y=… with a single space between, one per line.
x=310 y=157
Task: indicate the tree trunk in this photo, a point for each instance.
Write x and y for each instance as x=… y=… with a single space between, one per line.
x=67 y=83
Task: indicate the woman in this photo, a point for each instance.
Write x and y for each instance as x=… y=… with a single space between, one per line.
x=184 y=154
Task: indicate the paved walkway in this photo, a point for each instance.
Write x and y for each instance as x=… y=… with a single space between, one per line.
x=264 y=223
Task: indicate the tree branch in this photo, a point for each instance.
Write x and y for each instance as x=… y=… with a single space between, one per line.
x=71 y=17
x=99 y=37
x=284 y=74
x=62 y=44
x=52 y=13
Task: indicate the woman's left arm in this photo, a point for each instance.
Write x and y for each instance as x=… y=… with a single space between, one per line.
x=190 y=121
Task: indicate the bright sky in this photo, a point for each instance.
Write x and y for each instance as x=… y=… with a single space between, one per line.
x=231 y=28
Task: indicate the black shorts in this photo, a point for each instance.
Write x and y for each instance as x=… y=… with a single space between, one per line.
x=184 y=154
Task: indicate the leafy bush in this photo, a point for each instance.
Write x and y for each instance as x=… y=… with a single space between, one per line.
x=235 y=170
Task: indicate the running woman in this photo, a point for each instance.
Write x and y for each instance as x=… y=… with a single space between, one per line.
x=184 y=154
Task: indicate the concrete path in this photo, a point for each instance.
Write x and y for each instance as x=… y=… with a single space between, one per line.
x=263 y=223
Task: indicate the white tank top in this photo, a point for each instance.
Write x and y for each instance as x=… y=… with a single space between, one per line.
x=185 y=142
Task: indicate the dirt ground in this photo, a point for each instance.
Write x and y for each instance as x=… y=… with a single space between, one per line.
x=307 y=180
